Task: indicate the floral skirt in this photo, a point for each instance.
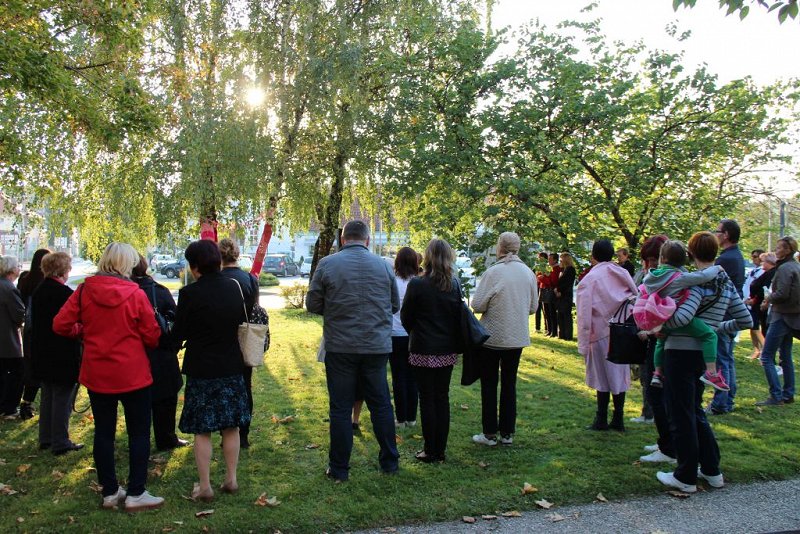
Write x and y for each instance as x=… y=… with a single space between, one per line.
x=213 y=404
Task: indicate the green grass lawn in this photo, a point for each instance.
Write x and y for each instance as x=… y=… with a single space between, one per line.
x=551 y=450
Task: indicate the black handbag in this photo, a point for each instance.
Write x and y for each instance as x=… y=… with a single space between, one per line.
x=548 y=295
x=163 y=322
x=472 y=331
x=624 y=345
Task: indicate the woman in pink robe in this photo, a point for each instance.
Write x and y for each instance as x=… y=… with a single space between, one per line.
x=599 y=295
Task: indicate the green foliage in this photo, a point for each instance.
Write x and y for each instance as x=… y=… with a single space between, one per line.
x=786 y=8
x=267 y=280
x=295 y=295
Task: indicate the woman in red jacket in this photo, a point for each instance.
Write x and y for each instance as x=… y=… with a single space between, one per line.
x=116 y=322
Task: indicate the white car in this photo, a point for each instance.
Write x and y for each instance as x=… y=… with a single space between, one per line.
x=245 y=262
x=160 y=260
x=305 y=267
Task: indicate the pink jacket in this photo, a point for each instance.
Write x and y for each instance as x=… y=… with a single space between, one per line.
x=599 y=295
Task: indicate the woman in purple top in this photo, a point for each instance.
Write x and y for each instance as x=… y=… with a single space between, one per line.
x=430 y=314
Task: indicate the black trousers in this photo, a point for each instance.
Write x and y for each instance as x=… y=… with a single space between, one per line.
x=692 y=435
x=551 y=319
x=655 y=402
x=539 y=313
x=31 y=386
x=434 y=407
x=164 y=422
x=404 y=387
x=564 y=316
x=506 y=361
x=244 y=430
x=10 y=384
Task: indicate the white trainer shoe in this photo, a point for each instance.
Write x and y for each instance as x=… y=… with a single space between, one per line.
x=112 y=501
x=658 y=456
x=651 y=448
x=507 y=440
x=142 y=502
x=411 y=424
x=642 y=419
x=668 y=479
x=715 y=481
x=480 y=439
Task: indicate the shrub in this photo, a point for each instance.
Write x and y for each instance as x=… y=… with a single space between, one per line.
x=267 y=279
x=295 y=295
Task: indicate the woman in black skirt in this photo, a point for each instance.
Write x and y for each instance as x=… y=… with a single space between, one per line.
x=209 y=313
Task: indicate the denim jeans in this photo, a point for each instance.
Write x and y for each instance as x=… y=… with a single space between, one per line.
x=136 y=405
x=506 y=361
x=404 y=386
x=434 y=407
x=723 y=401
x=779 y=338
x=344 y=371
x=691 y=434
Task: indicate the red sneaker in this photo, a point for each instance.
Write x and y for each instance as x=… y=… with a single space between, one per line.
x=716 y=381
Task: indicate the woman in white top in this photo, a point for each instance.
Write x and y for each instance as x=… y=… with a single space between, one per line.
x=507 y=295
x=404 y=387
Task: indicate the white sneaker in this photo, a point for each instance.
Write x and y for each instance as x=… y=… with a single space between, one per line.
x=112 y=501
x=507 y=440
x=668 y=479
x=483 y=440
x=398 y=425
x=715 y=481
x=145 y=501
x=651 y=448
x=411 y=424
x=642 y=419
x=658 y=456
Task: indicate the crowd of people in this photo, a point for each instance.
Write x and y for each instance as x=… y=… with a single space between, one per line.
x=120 y=332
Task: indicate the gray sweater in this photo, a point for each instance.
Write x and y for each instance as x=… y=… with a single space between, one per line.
x=709 y=302
x=355 y=291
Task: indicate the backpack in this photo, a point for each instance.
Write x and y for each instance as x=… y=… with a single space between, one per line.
x=651 y=310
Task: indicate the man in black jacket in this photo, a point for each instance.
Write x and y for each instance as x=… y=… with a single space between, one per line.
x=355 y=292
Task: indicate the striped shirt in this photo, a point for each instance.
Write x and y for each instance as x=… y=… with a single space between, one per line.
x=712 y=312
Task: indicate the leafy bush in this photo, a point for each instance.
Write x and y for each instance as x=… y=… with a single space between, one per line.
x=267 y=279
x=295 y=295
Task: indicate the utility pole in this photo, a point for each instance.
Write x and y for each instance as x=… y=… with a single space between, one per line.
x=783 y=218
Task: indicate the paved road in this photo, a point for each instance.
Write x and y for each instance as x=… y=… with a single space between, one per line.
x=757 y=507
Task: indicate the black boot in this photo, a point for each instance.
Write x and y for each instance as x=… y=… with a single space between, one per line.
x=617 y=420
x=25 y=411
x=601 y=416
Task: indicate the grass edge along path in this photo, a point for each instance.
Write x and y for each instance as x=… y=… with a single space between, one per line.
x=551 y=451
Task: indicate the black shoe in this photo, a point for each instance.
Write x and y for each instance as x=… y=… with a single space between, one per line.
x=178 y=443
x=25 y=411
x=44 y=446
x=331 y=476
x=788 y=400
x=244 y=443
x=617 y=424
x=599 y=423
x=72 y=447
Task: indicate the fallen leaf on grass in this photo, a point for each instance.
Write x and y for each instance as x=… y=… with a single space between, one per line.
x=512 y=513
x=5 y=489
x=527 y=488
x=32 y=456
x=156 y=471
x=416 y=436
x=678 y=494
x=95 y=487
x=544 y=504
x=20 y=520
x=398 y=438
x=204 y=513
x=34 y=512
x=263 y=500
x=468 y=519
x=483 y=465
x=71 y=519
x=488 y=517
x=3 y=461
x=57 y=475
x=529 y=395
x=294 y=378
x=465 y=406
x=158 y=459
x=282 y=420
x=556 y=517
x=311 y=446
x=637 y=462
x=545 y=397
x=600 y=497
x=178 y=522
x=22 y=469
x=759 y=409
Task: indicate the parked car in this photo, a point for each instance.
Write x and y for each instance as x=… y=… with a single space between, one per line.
x=280 y=265
x=245 y=262
x=174 y=269
x=158 y=261
x=305 y=267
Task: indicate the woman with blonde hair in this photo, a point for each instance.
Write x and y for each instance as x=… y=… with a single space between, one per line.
x=564 y=294
x=430 y=314
x=116 y=321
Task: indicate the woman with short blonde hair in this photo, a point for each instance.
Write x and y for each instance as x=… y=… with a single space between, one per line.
x=118 y=258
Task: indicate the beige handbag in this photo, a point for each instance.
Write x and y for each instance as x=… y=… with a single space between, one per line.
x=251 y=338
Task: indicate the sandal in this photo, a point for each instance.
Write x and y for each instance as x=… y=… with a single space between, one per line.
x=197 y=495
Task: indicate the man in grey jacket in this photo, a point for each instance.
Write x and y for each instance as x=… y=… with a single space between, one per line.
x=356 y=294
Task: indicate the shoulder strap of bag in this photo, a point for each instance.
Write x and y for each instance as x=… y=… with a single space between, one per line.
x=672 y=279
x=242 y=294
